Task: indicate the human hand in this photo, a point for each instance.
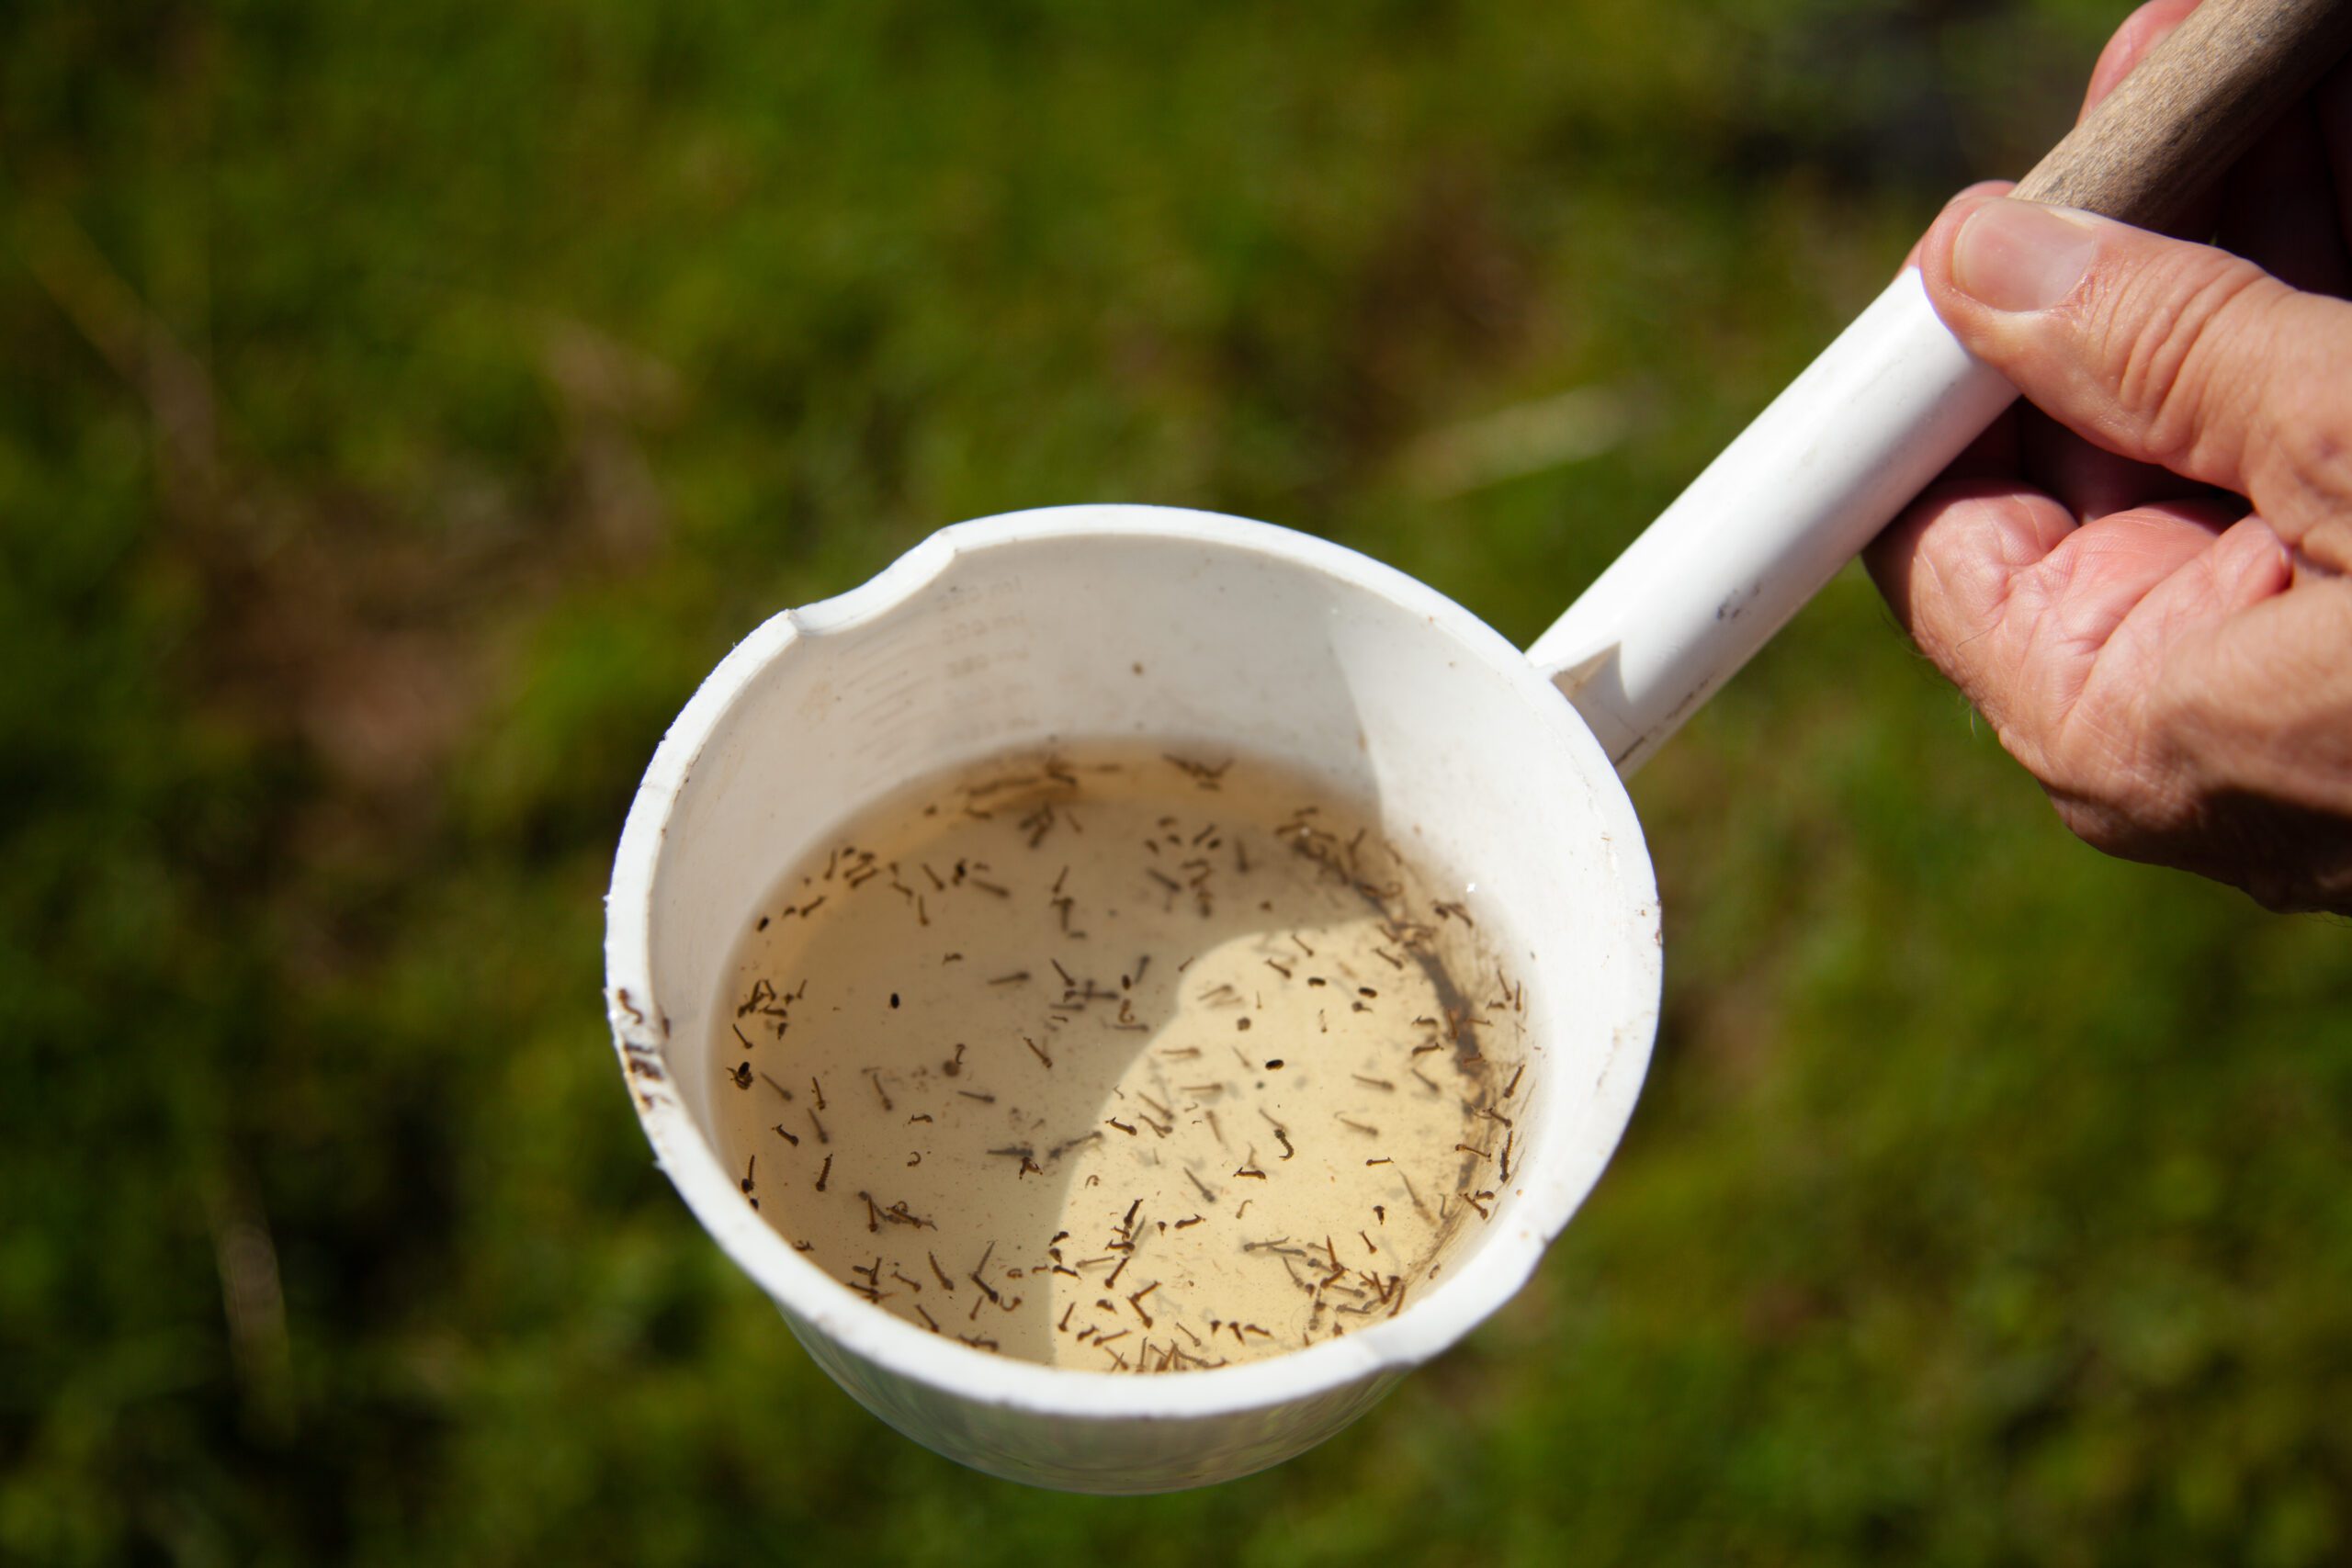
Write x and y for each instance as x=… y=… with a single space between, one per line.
x=2140 y=581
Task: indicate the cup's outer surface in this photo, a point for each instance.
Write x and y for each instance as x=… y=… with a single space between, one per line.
x=1108 y=622
x=1106 y=1456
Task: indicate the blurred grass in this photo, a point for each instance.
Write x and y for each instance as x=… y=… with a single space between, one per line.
x=406 y=405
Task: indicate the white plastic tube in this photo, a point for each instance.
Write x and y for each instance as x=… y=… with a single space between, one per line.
x=1830 y=463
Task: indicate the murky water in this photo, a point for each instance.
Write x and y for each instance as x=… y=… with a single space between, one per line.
x=1121 y=1060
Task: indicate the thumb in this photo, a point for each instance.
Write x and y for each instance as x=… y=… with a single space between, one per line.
x=2160 y=351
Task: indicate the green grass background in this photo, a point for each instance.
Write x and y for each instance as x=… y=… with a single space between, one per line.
x=401 y=406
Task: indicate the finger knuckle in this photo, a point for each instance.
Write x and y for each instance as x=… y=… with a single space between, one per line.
x=2176 y=348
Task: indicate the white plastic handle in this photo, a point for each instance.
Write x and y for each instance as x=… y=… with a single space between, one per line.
x=1799 y=492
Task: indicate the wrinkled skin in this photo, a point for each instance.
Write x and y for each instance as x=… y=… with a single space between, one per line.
x=2141 y=581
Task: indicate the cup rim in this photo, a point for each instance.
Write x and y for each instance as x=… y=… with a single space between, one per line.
x=1552 y=1185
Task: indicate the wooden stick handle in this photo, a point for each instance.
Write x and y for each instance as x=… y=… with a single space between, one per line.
x=2192 y=108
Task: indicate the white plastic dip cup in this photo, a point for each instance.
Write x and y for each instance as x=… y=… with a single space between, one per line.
x=1027 y=631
